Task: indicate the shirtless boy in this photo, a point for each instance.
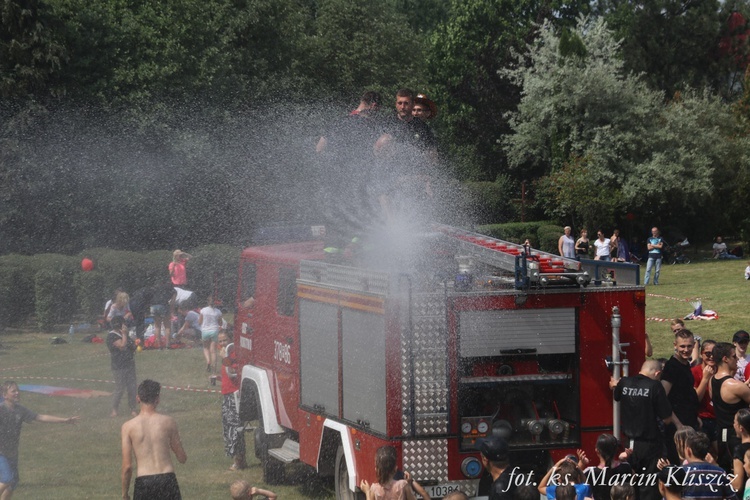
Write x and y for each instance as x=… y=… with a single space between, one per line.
x=151 y=436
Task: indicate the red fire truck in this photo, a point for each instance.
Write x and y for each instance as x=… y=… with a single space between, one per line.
x=462 y=337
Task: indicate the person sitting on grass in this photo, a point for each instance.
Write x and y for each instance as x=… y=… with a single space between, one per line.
x=241 y=490
x=720 y=250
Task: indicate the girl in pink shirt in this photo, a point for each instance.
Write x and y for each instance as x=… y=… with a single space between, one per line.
x=386 y=488
x=177 y=270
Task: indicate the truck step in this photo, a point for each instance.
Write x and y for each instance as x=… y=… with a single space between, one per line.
x=288 y=453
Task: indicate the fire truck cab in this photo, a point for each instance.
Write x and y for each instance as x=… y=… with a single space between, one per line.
x=468 y=337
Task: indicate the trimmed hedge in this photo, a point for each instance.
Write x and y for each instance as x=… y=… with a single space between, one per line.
x=16 y=290
x=53 y=288
x=213 y=271
x=493 y=200
x=54 y=298
x=90 y=289
x=541 y=234
x=549 y=235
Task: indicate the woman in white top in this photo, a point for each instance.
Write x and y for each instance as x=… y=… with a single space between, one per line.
x=566 y=244
x=210 y=321
x=602 y=247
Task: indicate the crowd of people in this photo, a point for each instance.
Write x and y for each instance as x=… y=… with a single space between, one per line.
x=148 y=436
x=691 y=411
x=613 y=248
x=687 y=424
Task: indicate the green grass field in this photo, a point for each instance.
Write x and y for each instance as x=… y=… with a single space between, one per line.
x=83 y=461
x=59 y=461
x=721 y=287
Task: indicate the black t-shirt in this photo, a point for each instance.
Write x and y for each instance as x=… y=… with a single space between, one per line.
x=643 y=402
x=10 y=428
x=120 y=359
x=682 y=395
x=739 y=451
x=162 y=294
x=415 y=132
x=140 y=300
x=354 y=135
x=725 y=412
x=503 y=488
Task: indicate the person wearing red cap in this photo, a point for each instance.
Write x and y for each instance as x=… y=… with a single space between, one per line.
x=495 y=458
x=424 y=108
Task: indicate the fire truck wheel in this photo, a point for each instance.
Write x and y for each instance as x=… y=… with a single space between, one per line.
x=342 y=479
x=259 y=436
x=273 y=470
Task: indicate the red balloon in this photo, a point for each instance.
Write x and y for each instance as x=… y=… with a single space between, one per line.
x=87 y=264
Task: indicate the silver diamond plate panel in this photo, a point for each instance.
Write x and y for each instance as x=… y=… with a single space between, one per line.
x=432 y=424
x=343 y=277
x=424 y=355
x=427 y=459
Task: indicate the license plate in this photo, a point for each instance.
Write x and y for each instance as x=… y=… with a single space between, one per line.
x=440 y=490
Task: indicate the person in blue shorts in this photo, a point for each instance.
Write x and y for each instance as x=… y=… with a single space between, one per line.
x=12 y=417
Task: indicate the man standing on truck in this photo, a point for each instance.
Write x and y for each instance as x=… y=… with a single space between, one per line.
x=404 y=128
x=643 y=403
x=357 y=130
x=409 y=151
x=151 y=437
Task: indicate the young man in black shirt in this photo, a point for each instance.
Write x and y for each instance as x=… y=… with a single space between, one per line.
x=121 y=348
x=643 y=403
x=495 y=458
x=679 y=385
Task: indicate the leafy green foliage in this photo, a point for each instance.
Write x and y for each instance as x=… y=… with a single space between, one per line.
x=518 y=232
x=364 y=47
x=30 y=49
x=605 y=143
x=467 y=52
x=493 y=201
x=672 y=42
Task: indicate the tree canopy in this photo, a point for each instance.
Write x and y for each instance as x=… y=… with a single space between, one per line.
x=603 y=142
x=138 y=124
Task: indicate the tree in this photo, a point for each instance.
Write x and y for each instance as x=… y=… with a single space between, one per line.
x=29 y=49
x=585 y=121
x=673 y=42
x=467 y=51
x=362 y=47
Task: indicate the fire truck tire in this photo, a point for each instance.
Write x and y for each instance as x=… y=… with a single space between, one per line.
x=260 y=439
x=273 y=470
x=341 y=479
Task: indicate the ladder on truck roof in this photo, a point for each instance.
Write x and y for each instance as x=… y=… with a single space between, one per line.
x=529 y=266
